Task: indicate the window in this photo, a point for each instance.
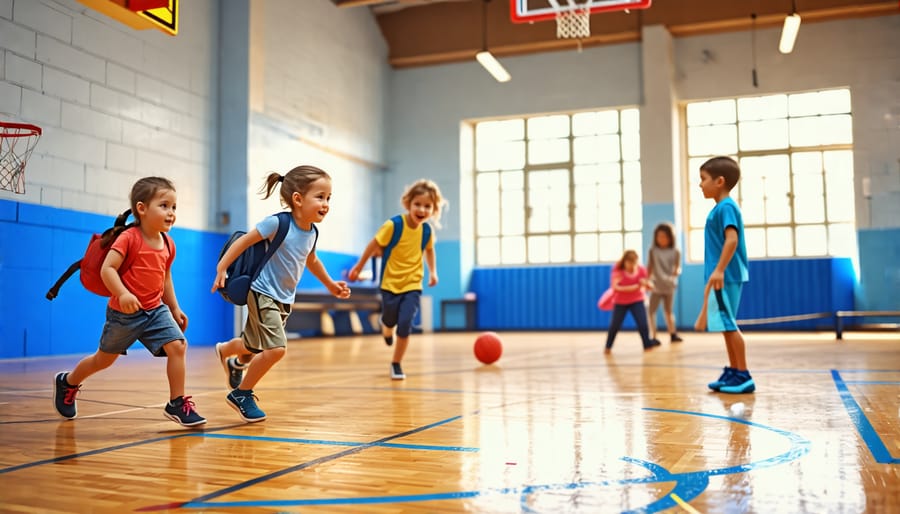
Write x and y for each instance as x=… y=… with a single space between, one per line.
x=559 y=188
x=796 y=158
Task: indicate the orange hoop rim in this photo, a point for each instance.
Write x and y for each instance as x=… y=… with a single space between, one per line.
x=24 y=129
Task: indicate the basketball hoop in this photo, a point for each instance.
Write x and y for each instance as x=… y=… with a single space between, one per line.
x=17 y=141
x=574 y=24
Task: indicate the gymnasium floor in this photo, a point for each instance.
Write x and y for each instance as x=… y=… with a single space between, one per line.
x=554 y=426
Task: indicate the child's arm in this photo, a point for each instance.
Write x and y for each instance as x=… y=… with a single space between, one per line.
x=623 y=289
x=700 y=324
x=169 y=299
x=245 y=241
x=717 y=278
x=109 y=273
x=676 y=270
x=373 y=248
x=315 y=266
x=431 y=260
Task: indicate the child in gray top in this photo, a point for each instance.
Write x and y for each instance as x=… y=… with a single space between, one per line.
x=664 y=266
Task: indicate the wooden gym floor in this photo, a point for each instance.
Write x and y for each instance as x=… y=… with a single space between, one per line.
x=554 y=426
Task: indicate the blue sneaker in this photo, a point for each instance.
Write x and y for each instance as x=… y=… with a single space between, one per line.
x=722 y=380
x=64 y=396
x=739 y=382
x=181 y=411
x=245 y=405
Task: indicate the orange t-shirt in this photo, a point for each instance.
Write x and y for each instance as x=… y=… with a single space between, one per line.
x=146 y=276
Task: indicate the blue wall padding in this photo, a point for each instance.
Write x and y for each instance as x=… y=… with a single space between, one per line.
x=564 y=297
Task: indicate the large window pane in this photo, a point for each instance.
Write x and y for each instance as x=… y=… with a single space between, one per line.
x=821 y=130
x=842 y=239
x=712 y=140
x=839 y=185
x=772 y=107
x=582 y=210
x=548 y=201
x=591 y=123
x=755 y=240
x=503 y=130
x=586 y=248
x=547 y=127
x=711 y=113
x=763 y=135
x=544 y=151
x=812 y=240
x=589 y=150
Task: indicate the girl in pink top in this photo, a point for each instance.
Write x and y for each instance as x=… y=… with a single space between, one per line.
x=629 y=281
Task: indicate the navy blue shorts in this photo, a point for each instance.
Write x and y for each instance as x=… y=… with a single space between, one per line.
x=399 y=310
x=153 y=328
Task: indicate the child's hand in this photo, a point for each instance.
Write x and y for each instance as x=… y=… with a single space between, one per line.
x=180 y=318
x=717 y=280
x=340 y=289
x=353 y=275
x=129 y=303
x=219 y=281
x=432 y=279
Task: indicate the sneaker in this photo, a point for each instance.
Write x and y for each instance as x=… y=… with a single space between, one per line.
x=244 y=402
x=64 y=396
x=722 y=380
x=234 y=370
x=181 y=411
x=651 y=345
x=389 y=340
x=676 y=338
x=740 y=382
x=397 y=371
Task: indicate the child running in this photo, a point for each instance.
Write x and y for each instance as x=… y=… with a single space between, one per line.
x=142 y=305
x=629 y=281
x=726 y=268
x=402 y=267
x=306 y=190
x=664 y=266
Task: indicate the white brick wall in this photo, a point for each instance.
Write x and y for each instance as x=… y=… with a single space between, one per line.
x=115 y=104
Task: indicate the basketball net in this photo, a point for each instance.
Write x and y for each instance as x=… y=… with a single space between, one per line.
x=574 y=24
x=17 y=141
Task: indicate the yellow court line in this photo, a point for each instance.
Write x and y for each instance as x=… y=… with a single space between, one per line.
x=684 y=505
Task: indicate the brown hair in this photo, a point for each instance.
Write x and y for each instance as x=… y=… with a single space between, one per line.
x=724 y=167
x=143 y=191
x=426 y=187
x=629 y=255
x=297 y=180
x=668 y=230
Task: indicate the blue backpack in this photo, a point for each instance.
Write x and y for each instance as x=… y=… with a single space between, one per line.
x=395 y=238
x=248 y=265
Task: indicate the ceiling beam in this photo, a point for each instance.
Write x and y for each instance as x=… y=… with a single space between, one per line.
x=357 y=3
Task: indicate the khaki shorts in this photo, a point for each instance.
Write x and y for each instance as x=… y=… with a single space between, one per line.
x=266 y=318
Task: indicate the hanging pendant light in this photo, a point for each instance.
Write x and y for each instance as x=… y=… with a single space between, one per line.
x=789 y=31
x=486 y=58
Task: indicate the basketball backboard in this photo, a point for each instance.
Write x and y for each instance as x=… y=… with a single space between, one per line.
x=528 y=11
x=129 y=12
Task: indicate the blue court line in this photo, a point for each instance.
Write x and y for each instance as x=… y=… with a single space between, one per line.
x=340 y=443
x=876 y=446
x=687 y=485
x=327 y=458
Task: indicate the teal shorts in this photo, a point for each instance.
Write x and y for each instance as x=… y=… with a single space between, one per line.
x=722 y=307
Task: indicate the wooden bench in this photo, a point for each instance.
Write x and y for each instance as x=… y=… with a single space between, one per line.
x=325 y=308
x=840 y=315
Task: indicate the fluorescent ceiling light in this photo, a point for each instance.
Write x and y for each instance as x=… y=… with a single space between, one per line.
x=789 y=33
x=493 y=66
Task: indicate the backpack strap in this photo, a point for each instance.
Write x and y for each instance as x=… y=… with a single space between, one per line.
x=395 y=238
x=284 y=224
x=120 y=221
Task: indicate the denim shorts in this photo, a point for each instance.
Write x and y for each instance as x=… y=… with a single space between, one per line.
x=400 y=310
x=154 y=328
x=721 y=309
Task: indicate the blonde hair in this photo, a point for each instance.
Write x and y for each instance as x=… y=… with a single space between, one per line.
x=297 y=180
x=426 y=187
